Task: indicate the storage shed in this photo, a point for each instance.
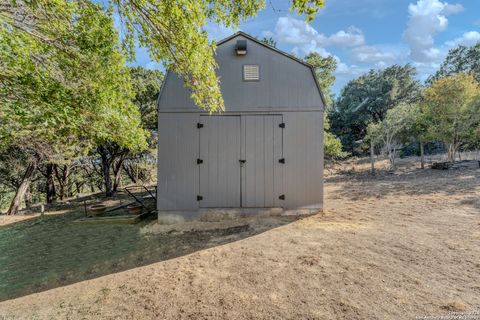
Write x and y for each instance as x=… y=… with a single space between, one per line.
x=264 y=151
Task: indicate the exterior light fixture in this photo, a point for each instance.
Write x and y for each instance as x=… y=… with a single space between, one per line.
x=241 y=47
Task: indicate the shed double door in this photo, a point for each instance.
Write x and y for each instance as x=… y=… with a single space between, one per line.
x=240 y=161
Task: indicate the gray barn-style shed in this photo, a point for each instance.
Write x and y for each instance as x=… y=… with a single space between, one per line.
x=264 y=151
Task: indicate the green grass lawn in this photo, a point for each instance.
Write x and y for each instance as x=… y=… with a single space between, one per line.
x=51 y=251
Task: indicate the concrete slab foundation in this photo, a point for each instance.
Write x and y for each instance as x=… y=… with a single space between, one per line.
x=221 y=214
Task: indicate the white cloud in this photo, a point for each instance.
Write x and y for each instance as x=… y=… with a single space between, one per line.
x=305 y=38
x=368 y=54
x=467 y=39
x=351 y=38
x=349 y=70
x=453 y=8
x=426 y=19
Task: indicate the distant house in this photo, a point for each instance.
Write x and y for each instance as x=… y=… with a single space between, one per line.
x=264 y=151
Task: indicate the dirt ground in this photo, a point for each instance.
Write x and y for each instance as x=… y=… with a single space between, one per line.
x=397 y=246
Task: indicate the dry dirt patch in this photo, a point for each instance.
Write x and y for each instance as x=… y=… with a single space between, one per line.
x=393 y=247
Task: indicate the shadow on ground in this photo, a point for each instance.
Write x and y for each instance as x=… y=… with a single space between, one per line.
x=51 y=251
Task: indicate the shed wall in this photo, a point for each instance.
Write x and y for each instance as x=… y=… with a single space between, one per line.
x=303 y=150
x=178 y=146
x=178 y=172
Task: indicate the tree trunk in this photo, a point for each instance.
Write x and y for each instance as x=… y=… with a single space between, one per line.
x=78 y=187
x=451 y=152
x=372 y=156
x=63 y=180
x=107 y=179
x=422 y=155
x=130 y=173
x=117 y=182
x=117 y=172
x=28 y=198
x=392 y=158
x=22 y=189
x=50 y=190
x=106 y=171
x=391 y=155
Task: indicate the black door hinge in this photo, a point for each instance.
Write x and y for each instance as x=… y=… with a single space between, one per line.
x=199 y=125
x=282 y=125
x=199 y=198
x=282 y=197
x=282 y=160
x=199 y=161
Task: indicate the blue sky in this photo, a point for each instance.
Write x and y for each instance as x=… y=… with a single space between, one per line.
x=365 y=34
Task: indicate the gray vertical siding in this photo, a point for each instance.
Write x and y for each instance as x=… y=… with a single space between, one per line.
x=262 y=175
x=220 y=170
x=303 y=150
x=248 y=129
x=177 y=168
x=284 y=83
x=181 y=143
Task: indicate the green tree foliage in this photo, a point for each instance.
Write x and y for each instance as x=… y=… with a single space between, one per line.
x=66 y=94
x=332 y=146
x=324 y=71
x=269 y=41
x=173 y=32
x=146 y=87
x=307 y=7
x=114 y=157
x=397 y=127
x=140 y=166
x=61 y=97
x=460 y=60
x=451 y=107
x=368 y=98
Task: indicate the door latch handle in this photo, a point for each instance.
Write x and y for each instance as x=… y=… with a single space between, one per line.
x=242 y=161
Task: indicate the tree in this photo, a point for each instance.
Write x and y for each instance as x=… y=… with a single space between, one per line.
x=393 y=130
x=64 y=86
x=269 y=41
x=418 y=131
x=146 y=87
x=332 y=146
x=14 y=160
x=138 y=166
x=60 y=98
x=452 y=108
x=368 y=98
x=460 y=60
x=173 y=32
x=324 y=71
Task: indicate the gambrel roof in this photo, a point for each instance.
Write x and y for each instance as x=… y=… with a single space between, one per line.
x=282 y=85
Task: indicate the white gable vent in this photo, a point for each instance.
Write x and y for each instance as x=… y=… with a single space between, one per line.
x=251 y=72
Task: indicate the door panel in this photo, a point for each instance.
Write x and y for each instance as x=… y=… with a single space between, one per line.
x=262 y=174
x=220 y=170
